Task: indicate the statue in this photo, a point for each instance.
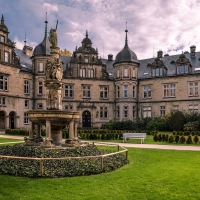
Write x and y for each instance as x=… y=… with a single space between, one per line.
x=53 y=37
x=59 y=71
x=48 y=69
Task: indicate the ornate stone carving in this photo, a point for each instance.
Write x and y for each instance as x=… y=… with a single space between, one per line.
x=54 y=69
x=53 y=37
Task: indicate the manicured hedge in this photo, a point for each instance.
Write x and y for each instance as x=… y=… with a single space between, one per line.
x=58 y=168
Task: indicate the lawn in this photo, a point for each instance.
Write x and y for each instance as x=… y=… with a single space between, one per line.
x=2 y=140
x=152 y=174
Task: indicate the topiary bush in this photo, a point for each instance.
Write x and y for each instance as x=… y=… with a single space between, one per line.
x=171 y=138
x=182 y=139
x=155 y=137
x=177 y=138
x=196 y=139
x=177 y=121
x=189 y=139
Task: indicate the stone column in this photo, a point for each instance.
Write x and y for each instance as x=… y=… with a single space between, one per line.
x=48 y=129
x=31 y=129
x=71 y=130
x=38 y=131
x=75 y=130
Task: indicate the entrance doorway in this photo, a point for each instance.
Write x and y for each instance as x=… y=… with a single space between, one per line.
x=2 y=120
x=86 y=119
x=12 y=120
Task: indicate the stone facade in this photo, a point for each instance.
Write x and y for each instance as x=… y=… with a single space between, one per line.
x=100 y=89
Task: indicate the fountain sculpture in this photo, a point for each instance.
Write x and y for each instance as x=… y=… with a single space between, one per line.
x=54 y=118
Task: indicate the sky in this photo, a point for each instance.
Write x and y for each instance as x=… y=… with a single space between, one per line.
x=168 y=25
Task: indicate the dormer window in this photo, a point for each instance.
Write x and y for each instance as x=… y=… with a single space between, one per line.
x=2 y=39
x=183 y=69
x=6 y=58
x=118 y=73
x=86 y=60
x=82 y=72
x=157 y=72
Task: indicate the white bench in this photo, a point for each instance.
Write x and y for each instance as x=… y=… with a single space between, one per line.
x=140 y=136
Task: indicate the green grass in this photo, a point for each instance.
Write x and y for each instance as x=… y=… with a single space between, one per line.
x=151 y=175
x=2 y=140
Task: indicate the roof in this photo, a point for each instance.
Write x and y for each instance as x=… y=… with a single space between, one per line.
x=126 y=54
x=3 y=27
x=25 y=61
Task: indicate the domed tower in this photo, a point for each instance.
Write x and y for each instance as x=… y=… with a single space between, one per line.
x=126 y=80
x=41 y=54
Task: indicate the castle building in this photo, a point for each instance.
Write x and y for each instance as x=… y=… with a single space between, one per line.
x=100 y=89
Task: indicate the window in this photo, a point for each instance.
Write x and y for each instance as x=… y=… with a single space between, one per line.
x=86 y=91
x=40 y=106
x=134 y=91
x=134 y=111
x=182 y=69
x=25 y=118
x=26 y=103
x=125 y=111
x=86 y=60
x=103 y=92
x=134 y=74
x=6 y=58
x=170 y=90
x=40 y=88
x=2 y=101
x=117 y=112
x=68 y=107
x=157 y=72
x=82 y=72
x=125 y=72
x=193 y=89
x=3 y=82
x=41 y=67
x=147 y=91
x=90 y=73
x=118 y=91
x=69 y=91
x=162 y=110
x=26 y=87
x=103 y=112
x=146 y=112
x=2 y=39
x=118 y=73
x=125 y=91
x=193 y=108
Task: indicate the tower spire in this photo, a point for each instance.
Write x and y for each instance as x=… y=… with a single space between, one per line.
x=86 y=34
x=46 y=22
x=2 y=19
x=126 y=39
x=25 y=40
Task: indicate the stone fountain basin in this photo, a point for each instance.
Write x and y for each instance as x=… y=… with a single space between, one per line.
x=58 y=119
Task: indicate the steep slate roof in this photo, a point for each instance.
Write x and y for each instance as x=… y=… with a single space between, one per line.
x=167 y=60
x=44 y=47
x=25 y=61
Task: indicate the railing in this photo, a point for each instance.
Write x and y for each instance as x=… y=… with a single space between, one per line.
x=66 y=158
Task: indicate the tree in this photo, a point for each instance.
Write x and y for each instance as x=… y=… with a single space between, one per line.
x=65 y=52
x=177 y=121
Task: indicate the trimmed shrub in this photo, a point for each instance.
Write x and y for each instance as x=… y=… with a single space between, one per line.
x=189 y=139
x=177 y=138
x=177 y=121
x=166 y=138
x=196 y=139
x=163 y=137
x=182 y=139
x=155 y=137
x=171 y=138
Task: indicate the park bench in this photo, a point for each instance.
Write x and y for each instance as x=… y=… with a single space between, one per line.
x=140 y=136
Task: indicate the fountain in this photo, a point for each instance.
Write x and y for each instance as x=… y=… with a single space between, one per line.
x=54 y=118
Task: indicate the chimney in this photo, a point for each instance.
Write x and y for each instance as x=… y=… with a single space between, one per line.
x=28 y=50
x=192 y=50
x=160 y=54
x=110 y=57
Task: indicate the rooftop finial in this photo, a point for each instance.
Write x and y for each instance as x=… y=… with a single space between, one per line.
x=2 y=19
x=86 y=34
x=46 y=26
x=25 y=40
x=126 y=39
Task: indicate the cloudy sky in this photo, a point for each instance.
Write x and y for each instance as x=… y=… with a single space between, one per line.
x=168 y=25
